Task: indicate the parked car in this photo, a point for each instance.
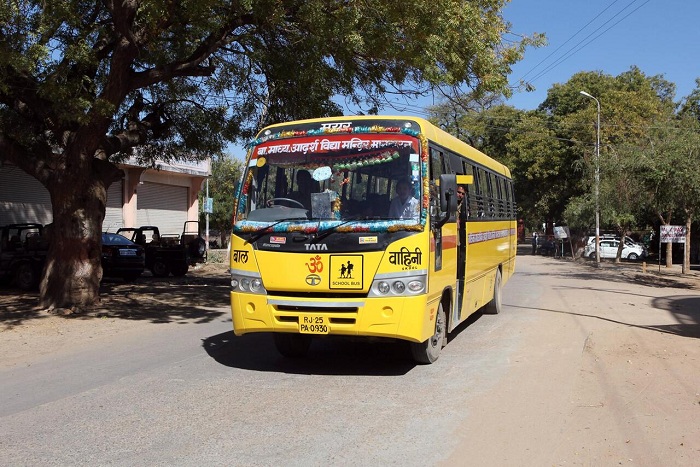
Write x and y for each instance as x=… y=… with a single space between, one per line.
x=23 y=249
x=121 y=257
x=608 y=249
x=628 y=240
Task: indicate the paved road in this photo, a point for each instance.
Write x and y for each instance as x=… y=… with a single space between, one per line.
x=507 y=390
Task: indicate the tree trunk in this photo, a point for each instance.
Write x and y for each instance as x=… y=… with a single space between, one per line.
x=669 y=246
x=73 y=269
x=686 y=247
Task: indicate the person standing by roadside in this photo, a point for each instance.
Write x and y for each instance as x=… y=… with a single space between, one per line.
x=534 y=243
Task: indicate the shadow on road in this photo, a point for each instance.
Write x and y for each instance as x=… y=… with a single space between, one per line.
x=329 y=355
x=192 y=298
x=689 y=328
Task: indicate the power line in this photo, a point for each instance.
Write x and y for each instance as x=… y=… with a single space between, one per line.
x=580 y=45
x=568 y=40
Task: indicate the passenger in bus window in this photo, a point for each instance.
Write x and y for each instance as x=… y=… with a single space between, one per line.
x=462 y=204
x=404 y=205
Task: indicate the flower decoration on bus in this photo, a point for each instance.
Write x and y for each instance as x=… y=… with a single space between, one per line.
x=355 y=162
x=332 y=131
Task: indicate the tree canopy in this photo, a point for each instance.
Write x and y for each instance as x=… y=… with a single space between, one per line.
x=649 y=146
x=84 y=84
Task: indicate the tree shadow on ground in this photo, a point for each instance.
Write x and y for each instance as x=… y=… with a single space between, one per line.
x=194 y=298
x=689 y=326
x=686 y=309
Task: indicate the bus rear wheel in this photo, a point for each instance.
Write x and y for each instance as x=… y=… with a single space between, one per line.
x=429 y=351
x=292 y=345
x=494 y=306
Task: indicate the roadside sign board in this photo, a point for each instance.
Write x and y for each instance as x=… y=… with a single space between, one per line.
x=672 y=234
x=561 y=232
x=208 y=205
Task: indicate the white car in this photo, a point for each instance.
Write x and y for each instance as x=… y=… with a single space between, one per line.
x=608 y=249
x=628 y=240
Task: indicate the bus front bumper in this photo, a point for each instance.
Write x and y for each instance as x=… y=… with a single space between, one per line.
x=408 y=318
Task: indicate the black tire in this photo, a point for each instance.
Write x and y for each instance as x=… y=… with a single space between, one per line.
x=25 y=277
x=180 y=270
x=429 y=351
x=292 y=345
x=160 y=268
x=632 y=256
x=198 y=248
x=494 y=306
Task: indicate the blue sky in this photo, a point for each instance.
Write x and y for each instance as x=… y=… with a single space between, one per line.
x=661 y=37
x=658 y=36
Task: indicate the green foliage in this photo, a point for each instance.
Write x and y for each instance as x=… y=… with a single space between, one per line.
x=134 y=73
x=225 y=175
x=86 y=84
x=647 y=152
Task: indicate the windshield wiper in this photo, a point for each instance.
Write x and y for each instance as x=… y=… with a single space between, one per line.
x=263 y=230
x=330 y=230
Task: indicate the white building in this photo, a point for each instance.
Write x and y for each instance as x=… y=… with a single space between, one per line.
x=165 y=197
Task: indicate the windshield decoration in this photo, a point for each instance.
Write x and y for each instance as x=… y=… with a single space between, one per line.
x=334 y=179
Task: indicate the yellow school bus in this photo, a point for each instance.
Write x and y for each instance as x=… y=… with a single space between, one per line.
x=357 y=226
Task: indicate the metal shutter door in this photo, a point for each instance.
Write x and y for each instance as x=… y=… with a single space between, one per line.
x=22 y=198
x=114 y=217
x=164 y=206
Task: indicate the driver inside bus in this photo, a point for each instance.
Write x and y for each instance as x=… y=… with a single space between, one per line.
x=404 y=205
x=304 y=186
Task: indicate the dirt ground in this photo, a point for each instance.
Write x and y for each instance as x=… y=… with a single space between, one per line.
x=201 y=295
x=27 y=330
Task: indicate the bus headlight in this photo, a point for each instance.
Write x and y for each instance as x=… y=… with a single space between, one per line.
x=255 y=285
x=401 y=285
x=244 y=281
x=383 y=287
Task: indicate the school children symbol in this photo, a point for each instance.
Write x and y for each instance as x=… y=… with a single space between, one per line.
x=345 y=272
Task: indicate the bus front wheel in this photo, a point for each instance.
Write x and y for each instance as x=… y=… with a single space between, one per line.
x=429 y=351
x=292 y=345
x=494 y=306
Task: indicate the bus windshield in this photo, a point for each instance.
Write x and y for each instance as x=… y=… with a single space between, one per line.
x=370 y=181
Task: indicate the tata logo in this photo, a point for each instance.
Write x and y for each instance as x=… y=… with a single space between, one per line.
x=313 y=279
x=316 y=247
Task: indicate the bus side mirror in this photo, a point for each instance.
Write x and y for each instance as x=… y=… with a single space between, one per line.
x=448 y=199
x=448 y=193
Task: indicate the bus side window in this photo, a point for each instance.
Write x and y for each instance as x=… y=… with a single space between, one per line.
x=501 y=198
x=490 y=207
x=480 y=181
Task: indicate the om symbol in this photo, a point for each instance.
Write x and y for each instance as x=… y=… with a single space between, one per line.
x=315 y=265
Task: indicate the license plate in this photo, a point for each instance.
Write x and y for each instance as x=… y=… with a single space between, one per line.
x=313 y=324
x=127 y=252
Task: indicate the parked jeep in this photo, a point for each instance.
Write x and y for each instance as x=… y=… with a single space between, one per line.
x=23 y=249
x=168 y=253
